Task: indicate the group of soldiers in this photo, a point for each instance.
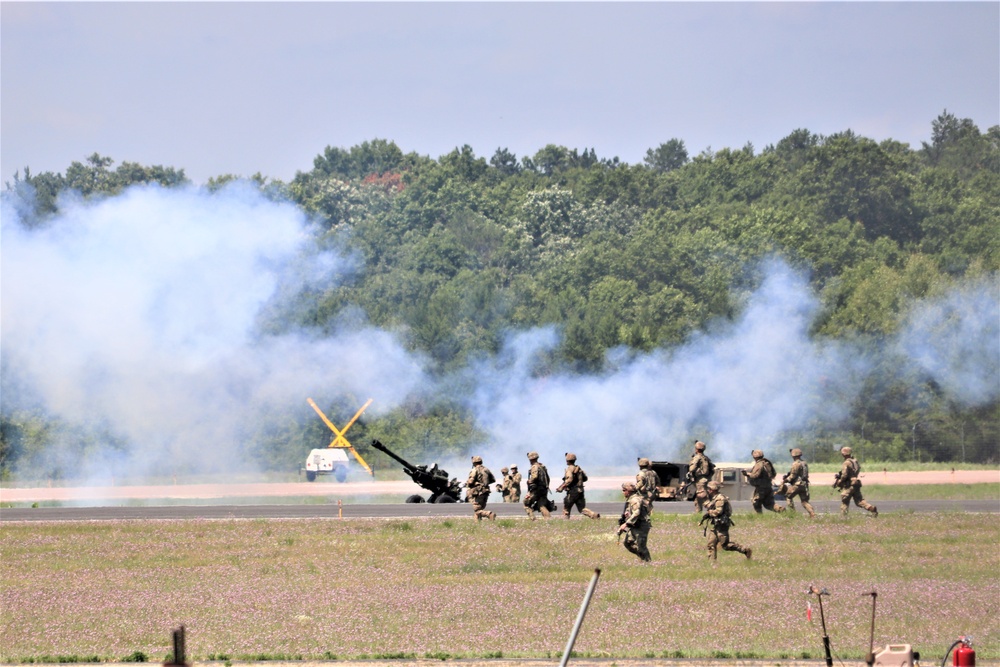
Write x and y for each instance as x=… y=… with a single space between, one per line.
x=481 y=480
x=794 y=484
x=634 y=522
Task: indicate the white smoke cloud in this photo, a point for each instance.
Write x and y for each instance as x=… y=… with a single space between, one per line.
x=139 y=312
x=955 y=339
x=742 y=387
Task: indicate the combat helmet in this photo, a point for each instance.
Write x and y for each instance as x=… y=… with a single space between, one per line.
x=477 y=460
x=846 y=451
x=504 y=471
x=629 y=487
x=795 y=452
x=757 y=454
x=713 y=486
x=532 y=456
x=644 y=463
x=513 y=466
x=570 y=457
x=699 y=446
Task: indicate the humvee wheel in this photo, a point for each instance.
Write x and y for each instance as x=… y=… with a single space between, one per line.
x=310 y=475
x=415 y=498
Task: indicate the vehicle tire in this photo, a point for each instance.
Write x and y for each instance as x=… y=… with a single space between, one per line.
x=341 y=474
x=445 y=499
x=310 y=475
x=415 y=498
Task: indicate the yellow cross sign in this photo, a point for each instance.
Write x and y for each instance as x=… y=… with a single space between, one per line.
x=339 y=440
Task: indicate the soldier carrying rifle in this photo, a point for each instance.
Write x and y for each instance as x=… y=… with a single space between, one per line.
x=796 y=483
x=719 y=512
x=849 y=483
x=634 y=522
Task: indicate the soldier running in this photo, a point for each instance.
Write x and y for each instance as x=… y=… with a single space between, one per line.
x=515 y=484
x=634 y=522
x=537 y=498
x=647 y=481
x=849 y=483
x=572 y=484
x=699 y=473
x=478 y=486
x=761 y=477
x=504 y=488
x=796 y=483
x=719 y=512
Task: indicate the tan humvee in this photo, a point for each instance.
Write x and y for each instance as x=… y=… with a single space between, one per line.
x=674 y=486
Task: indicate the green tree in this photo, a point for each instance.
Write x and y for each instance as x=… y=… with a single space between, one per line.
x=668 y=156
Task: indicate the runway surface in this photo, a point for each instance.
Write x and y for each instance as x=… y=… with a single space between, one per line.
x=326 y=499
x=609 y=511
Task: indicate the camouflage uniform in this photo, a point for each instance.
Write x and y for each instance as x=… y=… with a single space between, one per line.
x=719 y=512
x=796 y=483
x=646 y=481
x=572 y=484
x=760 y=477
x=478 y=486
x=849 y=483
x=515 y=484
x=504 y=488
x=634 y=522
x=537 y=497
x=698 y=474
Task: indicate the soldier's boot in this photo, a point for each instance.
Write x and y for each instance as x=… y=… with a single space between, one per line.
x=493 y=516
x=748 y=552
x=531 y=515
x=779 y=509
x=545 y=512
x=565 y=514
x=592 y=514
x=873 y=510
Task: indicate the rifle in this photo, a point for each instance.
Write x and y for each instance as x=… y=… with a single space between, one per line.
x=621 y=521
x=836 y=480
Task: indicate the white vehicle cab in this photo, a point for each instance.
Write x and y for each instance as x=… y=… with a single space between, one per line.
x=327 y=461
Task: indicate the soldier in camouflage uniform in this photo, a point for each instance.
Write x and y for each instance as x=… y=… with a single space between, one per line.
x=572 y=484
x=761 y=476
x=719 y=512
x=537 y=497
x=634 y=522
x=504 y=488
x=699 y=474
x=646 y=481
x=478 y=486
x=796 y=483
x=515 y=484
x=849 y=483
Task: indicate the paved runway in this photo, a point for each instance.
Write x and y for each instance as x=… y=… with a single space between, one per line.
x=609 y=511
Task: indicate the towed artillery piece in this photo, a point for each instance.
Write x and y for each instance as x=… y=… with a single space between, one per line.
x=434 y=479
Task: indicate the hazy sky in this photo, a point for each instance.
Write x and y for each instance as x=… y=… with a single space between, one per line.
x=216 y=88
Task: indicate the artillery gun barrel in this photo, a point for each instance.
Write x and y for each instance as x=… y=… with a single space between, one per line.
x=409 y=467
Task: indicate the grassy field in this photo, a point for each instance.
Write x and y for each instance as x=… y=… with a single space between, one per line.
x=432 y=588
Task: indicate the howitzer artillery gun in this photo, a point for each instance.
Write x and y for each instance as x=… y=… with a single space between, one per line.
x=434 y=479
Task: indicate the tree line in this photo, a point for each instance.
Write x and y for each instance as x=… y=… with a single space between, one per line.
x=460 y=249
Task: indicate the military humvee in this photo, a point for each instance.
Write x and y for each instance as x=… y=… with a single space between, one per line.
x=673 y=486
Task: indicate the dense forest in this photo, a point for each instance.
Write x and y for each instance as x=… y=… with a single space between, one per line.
x=459 y=251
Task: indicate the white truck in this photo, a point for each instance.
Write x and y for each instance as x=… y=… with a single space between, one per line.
x=326 y=461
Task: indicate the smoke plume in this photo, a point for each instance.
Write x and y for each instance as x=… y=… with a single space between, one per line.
x=142 y=316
